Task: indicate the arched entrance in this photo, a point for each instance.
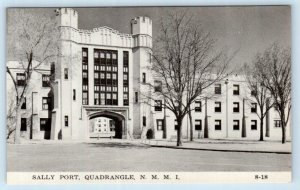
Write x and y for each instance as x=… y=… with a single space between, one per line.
x=114 y=121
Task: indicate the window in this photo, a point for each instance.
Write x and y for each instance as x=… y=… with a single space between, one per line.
x=218 y=107
x=277 y=123
x=125 y=99
x=160 y=124
x=85 y=87
x=46 y=102
x=198 y=106
x=218 y=124
x=236 y=107
x=125 y=69
x=66 y=121
x=144 y=77
x=125 y=58
x=45 y=81
x=198 y=125
x=84 y=54
x=85 y=98
x=23 y=124
x=236 y=124
x=175 y=124
x=85 y=67
x=125 y=77
x=253 y=107
x=20 y=79
x=74 y=94
x=136 y=97
x=253 y=125
x=45 y=124
x=218 y=89
x=144 y=121
x=115 y=88
x=158 y=105
x=66 y=73
x=236 y=89
x=157 y=86
x=96 y=55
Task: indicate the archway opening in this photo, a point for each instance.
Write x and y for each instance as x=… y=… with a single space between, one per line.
x=106 y=125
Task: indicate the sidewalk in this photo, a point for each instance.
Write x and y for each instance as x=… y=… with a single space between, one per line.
x=226 y=145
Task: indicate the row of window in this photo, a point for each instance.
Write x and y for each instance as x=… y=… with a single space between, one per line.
x=21 y=80
x=198 y=106
x=46 y=103
x=45 y=124
x=218 y=124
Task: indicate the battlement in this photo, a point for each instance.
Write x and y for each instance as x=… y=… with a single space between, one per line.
x=67 y=17
x=141 y=25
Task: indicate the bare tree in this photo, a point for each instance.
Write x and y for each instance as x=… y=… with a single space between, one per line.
x=185 y=63
x=260 y=94
x=275 y=67
x=32 y=40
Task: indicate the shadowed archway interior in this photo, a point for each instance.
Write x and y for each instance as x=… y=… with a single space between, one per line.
x=119 y=121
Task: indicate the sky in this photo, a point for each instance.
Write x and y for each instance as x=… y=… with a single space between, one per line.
x=245 y=29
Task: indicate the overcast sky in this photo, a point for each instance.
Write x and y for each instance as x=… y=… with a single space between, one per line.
x=248 y=29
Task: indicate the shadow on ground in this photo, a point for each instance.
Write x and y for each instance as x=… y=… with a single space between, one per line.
x=118 y=145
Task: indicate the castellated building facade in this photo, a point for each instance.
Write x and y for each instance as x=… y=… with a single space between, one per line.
x=102 y=73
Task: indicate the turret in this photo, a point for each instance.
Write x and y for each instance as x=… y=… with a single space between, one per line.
x=67 y=17
x=141 y=29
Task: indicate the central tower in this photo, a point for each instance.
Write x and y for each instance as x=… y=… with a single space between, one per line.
x=141 y=30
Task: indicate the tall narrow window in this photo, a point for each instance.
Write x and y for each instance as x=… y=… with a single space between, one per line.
x=23 y=124
x=136 y=97
x=45 y=124
x=236 y=89
x=158 y=105
x=198 y=106
x=253 y=124
x=198 y=124
x=144 y=77
x=218 y=107
x=66 y=121
x=218 y=89
x=253 y=107
x=45 y=81
x=46 y=103
x=66 y=73
x=236 y=107
x=218 y=124
x=20 y=79
x=159 y=123
x=85 y=76
x=277 y=123
x=74 y=94
x=157 y=86
x=236 y=124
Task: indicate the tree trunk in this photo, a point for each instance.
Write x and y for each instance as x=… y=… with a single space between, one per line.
x=191 y=125
x=17 y=139
x=261 y=138
x=283 y=140
x=179 y=132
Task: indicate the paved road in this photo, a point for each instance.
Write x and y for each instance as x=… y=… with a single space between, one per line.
x=123 y=156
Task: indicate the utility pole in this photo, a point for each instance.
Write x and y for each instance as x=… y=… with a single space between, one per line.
x=206 y=121
x=226 y=82
x=244 y=121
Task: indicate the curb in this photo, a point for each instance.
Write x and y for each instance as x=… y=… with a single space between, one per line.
x=221 y=150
